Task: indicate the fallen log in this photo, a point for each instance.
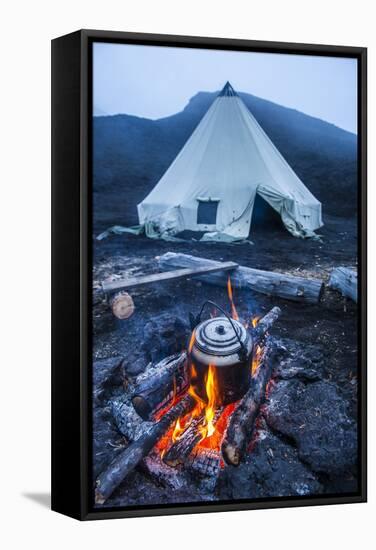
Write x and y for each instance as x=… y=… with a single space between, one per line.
x=345 y=280
x=180 y=450
x=241 y=425
x=127 y=461
x=289 y=287
x=164 y=382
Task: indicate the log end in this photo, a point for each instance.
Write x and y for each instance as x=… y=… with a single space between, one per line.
x=230 y=454
x=141 y=407
x=99 y=498
x=122 y=305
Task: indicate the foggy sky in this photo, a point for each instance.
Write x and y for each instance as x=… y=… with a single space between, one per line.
x=154 y=81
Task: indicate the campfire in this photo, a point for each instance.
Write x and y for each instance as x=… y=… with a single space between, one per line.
x=200 y=432
x=197 y=409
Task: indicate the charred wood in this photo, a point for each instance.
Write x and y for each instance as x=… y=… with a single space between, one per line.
x=132 y=427
x=127 y=461
x=182 y=448
x=160 y=385
x=241 y=425
x=205 y=462
x=127 y=421
x=265 y=324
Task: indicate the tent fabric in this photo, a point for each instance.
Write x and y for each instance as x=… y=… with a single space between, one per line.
x=228 y=159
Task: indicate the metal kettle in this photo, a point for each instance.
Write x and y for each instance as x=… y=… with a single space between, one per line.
x=224 y=345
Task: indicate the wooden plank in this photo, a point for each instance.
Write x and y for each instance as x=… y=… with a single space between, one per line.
x=345 y=280
x=289 y=287
x=123 y=284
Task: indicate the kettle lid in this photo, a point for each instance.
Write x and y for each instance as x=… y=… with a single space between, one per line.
x=217 y=336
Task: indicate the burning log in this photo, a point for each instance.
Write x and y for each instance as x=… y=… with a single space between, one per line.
x=298 y=289
x=346 y=281
x=127 y=461
x=265 y=324
x=180 y=450
x=206 y=462
x=240 y=428
x=167 y=379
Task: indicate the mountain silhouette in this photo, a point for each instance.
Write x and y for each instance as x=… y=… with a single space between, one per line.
x=130 y=154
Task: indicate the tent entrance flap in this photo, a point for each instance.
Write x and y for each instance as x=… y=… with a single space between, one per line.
x=264 y=216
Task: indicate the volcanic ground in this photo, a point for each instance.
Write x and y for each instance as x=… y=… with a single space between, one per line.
x=306 y=438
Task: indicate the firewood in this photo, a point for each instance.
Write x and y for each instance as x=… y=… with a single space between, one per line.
x=132 y=427
x=127 y=421
x=289 y=287
x=161 y=384
x=182 y=448
x=346 y=281
x=206 y=462
x=127 y=461
x=241 y=425
x=265 y=324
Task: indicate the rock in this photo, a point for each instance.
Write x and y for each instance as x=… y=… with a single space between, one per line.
x=272 y=469
x=151 y=345
x=164 y=336
x=106 y=373
x=313 y=416
x=136 y=365
x=305 y=362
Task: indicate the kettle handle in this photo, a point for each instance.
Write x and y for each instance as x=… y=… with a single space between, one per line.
x=198 y=319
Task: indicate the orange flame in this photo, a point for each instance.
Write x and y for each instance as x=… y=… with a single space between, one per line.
x=256 y=359
x=191 y=390
x=178 y=430
x=192 y=340
x=234 y=313
x=255 y=321
x=207 y=429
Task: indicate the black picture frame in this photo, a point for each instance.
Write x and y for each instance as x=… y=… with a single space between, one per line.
x=72 y=260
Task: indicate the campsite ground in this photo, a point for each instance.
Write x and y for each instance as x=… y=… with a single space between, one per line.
x=323 y=337
x=332 y=323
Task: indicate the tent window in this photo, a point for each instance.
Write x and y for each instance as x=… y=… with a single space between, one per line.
x=207 y=212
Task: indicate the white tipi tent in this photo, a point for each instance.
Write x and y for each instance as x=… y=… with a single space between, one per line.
x=212 y=184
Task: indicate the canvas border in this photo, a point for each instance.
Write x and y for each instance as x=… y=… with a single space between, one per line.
x=86 y=509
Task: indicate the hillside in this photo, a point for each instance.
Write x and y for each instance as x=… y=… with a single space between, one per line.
x=132 y=153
